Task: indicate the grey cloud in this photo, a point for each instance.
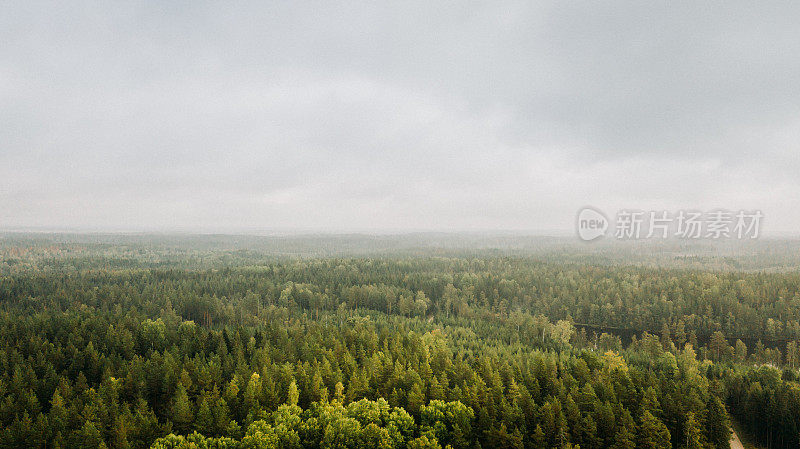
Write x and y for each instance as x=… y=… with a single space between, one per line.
x=448 y=116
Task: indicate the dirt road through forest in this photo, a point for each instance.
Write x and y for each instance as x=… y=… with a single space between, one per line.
x=735 y=443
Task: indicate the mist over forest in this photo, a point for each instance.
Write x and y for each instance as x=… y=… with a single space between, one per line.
x=423 y=340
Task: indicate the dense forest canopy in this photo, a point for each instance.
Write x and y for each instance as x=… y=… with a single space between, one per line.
x=418 y=341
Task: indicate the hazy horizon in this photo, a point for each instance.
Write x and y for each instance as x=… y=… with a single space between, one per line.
x=569 y=236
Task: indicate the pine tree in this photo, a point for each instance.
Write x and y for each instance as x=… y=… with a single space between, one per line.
x=718 y=426
x=182 y=414
x=204 y=422
x=222 y=416
x=625 y=437
x=416 y=399
x=293 y=394
x=652 y=433
x=89 y=437
x=538 y=437
x=120 y=434
x=58 y=413
x=252 y=393
x=740 y=351
x=693 y=433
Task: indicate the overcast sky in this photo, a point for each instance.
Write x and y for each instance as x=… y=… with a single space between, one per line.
x=454 y=116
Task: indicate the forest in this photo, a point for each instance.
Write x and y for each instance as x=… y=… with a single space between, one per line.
x=223 y=342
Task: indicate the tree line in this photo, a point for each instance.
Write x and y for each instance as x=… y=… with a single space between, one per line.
x=391 y=352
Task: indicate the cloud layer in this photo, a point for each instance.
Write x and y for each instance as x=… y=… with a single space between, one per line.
x=457 y=116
